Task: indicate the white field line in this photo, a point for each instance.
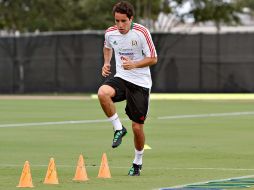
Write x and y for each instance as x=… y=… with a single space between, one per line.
x=207 y=115
x=53 y=123
x=106 y=120
x=122 y=167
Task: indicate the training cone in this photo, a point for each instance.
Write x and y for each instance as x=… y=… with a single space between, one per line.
x=51 y=176
x=26 y=177
x=147 y=147
x=104 y=171
x=80 y=174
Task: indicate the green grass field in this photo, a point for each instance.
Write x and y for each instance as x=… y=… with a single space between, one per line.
x=184 y=149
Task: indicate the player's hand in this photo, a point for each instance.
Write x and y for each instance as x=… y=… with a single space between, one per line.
x=106 y=70
x=128 y=64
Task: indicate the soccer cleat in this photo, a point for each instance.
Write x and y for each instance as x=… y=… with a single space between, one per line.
x=135 y=170
x=118 y=135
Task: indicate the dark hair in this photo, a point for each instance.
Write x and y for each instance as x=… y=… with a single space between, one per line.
x=124 y=7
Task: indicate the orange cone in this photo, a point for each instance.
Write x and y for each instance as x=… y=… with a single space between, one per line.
x=26 y=178
x=104 y=171
x=51 y=176
x=80 y=174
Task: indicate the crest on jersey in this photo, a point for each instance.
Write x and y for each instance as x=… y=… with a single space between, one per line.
x=134 y=42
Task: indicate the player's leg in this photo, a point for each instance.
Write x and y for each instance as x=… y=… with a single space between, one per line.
x=137 y=108
x=139 y=141
x=139 y=136
x=109 y=93
x=105 y=94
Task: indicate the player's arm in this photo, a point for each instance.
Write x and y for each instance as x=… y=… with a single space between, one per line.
x=130 y=64
x=107 y=52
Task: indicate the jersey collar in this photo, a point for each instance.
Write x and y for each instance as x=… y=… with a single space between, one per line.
x=132 y=24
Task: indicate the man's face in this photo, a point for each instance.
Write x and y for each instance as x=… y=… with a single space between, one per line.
x=123 y=23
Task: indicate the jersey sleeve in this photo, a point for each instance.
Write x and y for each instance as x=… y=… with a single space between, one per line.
x=106 y=41
x=147 y=44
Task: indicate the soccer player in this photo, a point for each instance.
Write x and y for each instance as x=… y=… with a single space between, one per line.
x=134 y=53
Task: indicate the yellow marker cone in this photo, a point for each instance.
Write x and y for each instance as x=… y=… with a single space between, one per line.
x=104 y=171
x=26 y=177
x=51 y=176
x=147 y=147
x=80 y=174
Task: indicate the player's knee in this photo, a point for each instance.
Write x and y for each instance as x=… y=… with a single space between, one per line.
x=103 y=92
x=137 y=128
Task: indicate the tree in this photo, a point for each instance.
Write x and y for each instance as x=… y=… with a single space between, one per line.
x=55 y=15
x=30 y=15
x=249 y=4
x=217 y=11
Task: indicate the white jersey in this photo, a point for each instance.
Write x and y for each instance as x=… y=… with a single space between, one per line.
x=136 y=44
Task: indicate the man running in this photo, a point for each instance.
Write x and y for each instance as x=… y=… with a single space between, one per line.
x=134 y=53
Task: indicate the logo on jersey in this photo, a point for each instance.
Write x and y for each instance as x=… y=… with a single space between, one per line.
x=115 y=43
x=142 y=118
x=126 y=53
x=134 y=42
